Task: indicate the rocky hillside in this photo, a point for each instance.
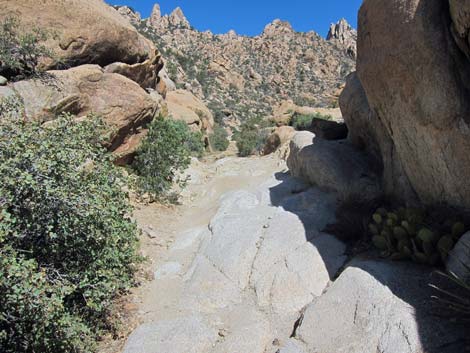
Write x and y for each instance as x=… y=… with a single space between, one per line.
x=240 y=76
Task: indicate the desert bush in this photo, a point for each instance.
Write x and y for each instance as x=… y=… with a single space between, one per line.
x=195 y=143
x=219 y=139
x=304 y=121
x=68 y=247
x=251 y=137
x=21 y=51
x=162 y=156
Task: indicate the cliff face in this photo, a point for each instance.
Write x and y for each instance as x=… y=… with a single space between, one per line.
x=408 y=104
x=240 y=76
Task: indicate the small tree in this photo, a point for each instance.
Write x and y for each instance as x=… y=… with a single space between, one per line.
x=219 y=139
x=251 y=137
x=163 y=154
x=20 y=52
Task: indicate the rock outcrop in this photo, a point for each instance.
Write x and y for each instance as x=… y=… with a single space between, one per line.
x=82 y=31
x=86 y=89
x=182 y=105
x=345 y=35
x=279 y=137
x=146 y=74
x=333 y=165
x=130 y=14
x=410 y=101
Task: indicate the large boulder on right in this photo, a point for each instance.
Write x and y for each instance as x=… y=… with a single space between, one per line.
x=416 y=81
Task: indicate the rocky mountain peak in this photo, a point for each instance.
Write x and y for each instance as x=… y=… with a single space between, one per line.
x=177 y=18
x=156 y=15
x=277 y=27
x=344 y=34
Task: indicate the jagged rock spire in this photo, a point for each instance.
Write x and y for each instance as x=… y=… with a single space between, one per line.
x=177 y=18
x=343 y=33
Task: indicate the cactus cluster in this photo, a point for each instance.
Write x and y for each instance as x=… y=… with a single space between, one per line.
x=403 y=234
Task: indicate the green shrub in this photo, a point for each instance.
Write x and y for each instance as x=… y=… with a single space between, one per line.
x=195 y=143
x=219 y=139
x=68 y=247
x=33 y=317
x=304 y=121
x=163 y=154
x=251 y=137
x=20 y=53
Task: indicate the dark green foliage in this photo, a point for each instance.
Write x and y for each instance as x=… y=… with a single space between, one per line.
x=163 y=154
x=304 y=121
x=20 y=52
x=33 y=317
x=67 y=245
x=195 y=143
x=251 y=137
x=219 y=139
x=412 y=234
x=172 y=71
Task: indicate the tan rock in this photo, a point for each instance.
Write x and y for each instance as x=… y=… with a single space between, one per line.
x=226 y=75
x=344 y=35
x=183 y=105
x=146 y=74
x=164 y=82
x=281 y=136
x=85 y=31
x=86 y=89
x=129 y=14
x=156 y=15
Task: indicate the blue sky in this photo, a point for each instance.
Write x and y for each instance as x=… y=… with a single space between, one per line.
x=250 y=16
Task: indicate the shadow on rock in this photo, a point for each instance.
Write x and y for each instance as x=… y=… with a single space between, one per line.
x=373 y=305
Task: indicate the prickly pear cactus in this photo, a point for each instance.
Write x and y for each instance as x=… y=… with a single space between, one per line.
x=403 y=234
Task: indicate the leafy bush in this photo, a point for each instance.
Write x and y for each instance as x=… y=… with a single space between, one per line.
x=67 y=245
x=219 y=139
x=20 y=52
x=251 y=137
x=163 y=154
x=304 y=121
x=195 y=143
